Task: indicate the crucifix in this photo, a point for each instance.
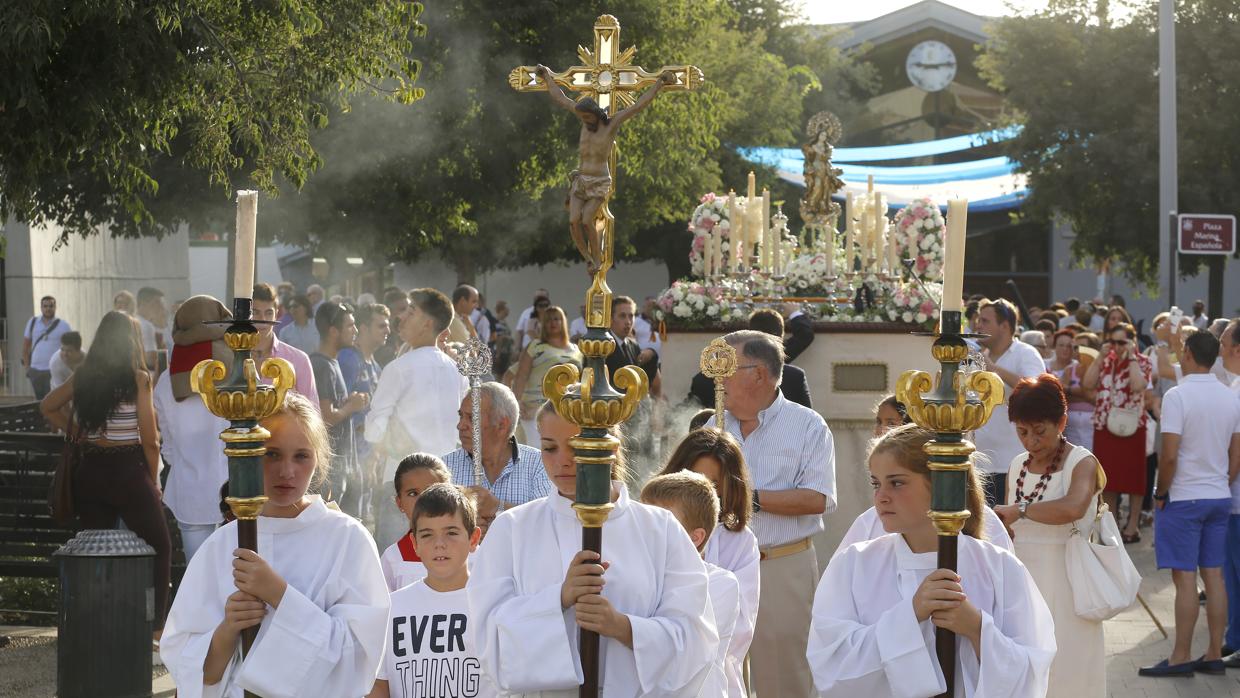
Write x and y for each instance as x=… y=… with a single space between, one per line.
x=607 y=82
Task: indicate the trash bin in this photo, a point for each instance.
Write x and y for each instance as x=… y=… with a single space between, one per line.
x=106 y=615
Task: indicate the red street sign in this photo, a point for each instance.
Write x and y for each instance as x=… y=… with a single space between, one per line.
x=1203 y=233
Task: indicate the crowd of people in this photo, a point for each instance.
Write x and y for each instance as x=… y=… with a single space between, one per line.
x=391 y=563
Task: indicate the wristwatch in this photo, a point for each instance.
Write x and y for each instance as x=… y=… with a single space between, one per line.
x=1024 y=507
x=757 y=505
x=1160 y=497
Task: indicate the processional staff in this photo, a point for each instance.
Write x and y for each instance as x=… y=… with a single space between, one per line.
x=949 y=411
x=473 y=360
x=607 y=83
x=718 y=363
x=241 y=398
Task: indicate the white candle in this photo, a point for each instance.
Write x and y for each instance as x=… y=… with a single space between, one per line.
x=707 y=255
x=953 y=256
x=768 y=238
x=849 y=231
x=243 y=260
x=876 y=232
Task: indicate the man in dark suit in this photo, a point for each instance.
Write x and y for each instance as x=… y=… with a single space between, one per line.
x=794 y=384
x=801 y=332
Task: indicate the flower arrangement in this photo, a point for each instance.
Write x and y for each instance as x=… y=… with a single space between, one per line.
x=918 y=231
x=711 y=215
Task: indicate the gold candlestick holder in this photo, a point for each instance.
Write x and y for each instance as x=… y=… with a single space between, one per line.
x=237 y=395
x=945 y=406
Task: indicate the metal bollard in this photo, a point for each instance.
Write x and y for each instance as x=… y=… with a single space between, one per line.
x=106 y=615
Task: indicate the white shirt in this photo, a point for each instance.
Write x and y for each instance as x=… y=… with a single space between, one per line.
x=326 y=638
x=737 y=552
x=647 y=335
x=528 y=643
x=41 y=353
x=1201 y=322
x=868 y=526
x=1205 y=414
x=482 y=325
x=1218 y=370
x=577 y=328
x=61 y=372
x=149 y=344
x=191 y=447
x=418 y=392
x=865 y=639
x=523 y=321
x=997 y=438
x=725 y=601
x=429 y=647
x=791 y=448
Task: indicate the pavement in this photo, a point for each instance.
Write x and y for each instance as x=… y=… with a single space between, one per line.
x=28 y=662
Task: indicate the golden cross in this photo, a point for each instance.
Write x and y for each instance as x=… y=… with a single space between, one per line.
x=607 y=72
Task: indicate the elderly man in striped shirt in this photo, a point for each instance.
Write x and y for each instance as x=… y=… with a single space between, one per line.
x=513 y=472
x=791 y=458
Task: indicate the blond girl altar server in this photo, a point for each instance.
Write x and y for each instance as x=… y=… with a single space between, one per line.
x=532 y=588
x=314 y=588
x=879 y=602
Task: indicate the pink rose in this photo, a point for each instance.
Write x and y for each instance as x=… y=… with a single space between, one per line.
x=922 y=263
x=928 y=308
x=699 y=243
x=921 y=213
x=707 y=223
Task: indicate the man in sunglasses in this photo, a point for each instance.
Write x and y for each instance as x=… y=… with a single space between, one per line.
x=1013 y=361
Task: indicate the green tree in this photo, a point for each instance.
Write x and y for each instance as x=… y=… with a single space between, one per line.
x=1084 y=88
x=106 y=100
x=477 y=174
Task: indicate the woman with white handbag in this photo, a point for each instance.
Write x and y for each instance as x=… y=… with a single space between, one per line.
x=1120 y=379
x=1052 y=495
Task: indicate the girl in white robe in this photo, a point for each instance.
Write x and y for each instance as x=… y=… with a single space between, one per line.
x=532 y=588
x=314 y=588
x=879 y=602
x=732 y=546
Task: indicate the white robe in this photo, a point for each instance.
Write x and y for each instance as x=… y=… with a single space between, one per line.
x=725 y=601
x=867 y=526
x=397 y=571
x=737 y=552
x=528 y=643
x=865 y=639
x=325 y=639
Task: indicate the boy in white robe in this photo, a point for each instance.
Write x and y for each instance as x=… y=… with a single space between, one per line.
x=532 y=587
x=314 y=588
x=692 y=500
x=430 y=644
x=415 y=473
x=879 y=602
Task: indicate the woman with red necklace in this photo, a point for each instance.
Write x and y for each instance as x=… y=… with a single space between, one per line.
x=1051 y=487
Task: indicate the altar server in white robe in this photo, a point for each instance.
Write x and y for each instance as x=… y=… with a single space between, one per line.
x=692 y=500
x=880 y=601
x=889 y=414
x=314 y=588
x=532 y=588
x=716 y=455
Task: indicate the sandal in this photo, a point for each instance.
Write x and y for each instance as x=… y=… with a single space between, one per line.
x=1129 y=540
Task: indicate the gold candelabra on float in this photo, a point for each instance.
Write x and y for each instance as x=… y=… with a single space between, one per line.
x=586 y=397
x=945 y=407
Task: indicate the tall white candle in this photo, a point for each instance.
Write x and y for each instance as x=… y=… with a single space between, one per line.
x=768 y=238
x=849 y=231
x=953 y=255
x=716 y=251
x=893 y=249
x=243 y=260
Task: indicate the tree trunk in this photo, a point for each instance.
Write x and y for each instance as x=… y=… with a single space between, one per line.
x=1216 y=263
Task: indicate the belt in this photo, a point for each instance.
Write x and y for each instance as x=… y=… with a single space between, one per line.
x=777 y=551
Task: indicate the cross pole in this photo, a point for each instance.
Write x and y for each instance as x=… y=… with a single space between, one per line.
x=586 y=397
x=473 y=360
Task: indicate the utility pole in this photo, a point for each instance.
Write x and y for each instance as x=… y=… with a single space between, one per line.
x=1168 y=154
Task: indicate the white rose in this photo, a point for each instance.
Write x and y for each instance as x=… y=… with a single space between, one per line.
x=921 y=317
x=681 y=310
x=712 y=311
x=908 y=317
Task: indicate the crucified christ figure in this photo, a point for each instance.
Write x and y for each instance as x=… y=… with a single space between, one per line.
x=590 y=184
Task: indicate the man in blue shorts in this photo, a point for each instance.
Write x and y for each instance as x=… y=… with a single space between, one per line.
x=1200 y=457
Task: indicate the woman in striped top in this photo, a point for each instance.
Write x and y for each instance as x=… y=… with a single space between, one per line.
x=107 y=407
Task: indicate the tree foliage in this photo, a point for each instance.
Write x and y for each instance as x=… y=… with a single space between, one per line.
x=1084 y=89
x=105 y=100
x=478 y=173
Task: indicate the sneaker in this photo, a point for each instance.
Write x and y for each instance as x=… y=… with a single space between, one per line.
x=1231 y=661
x=1166 y=668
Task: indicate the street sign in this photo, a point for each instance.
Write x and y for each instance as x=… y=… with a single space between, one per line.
x=1203 y=233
